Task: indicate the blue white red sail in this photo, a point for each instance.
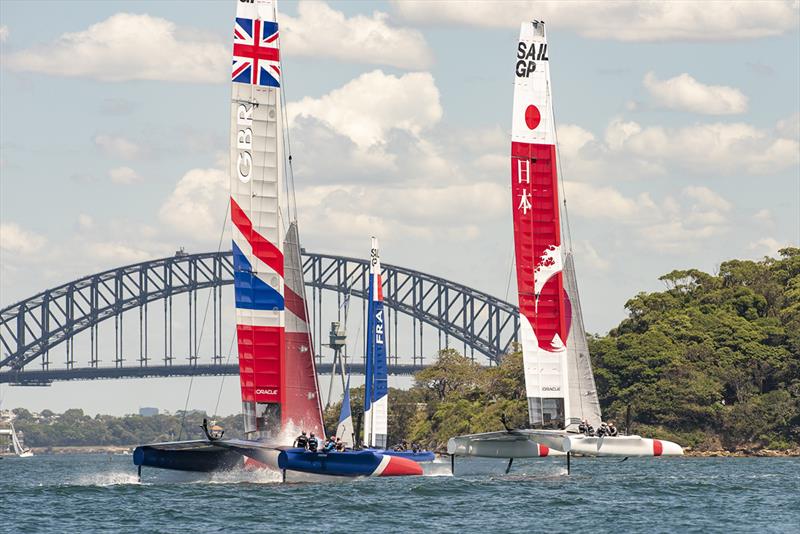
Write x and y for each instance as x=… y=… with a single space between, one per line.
x=276 y=364
x=376 y=390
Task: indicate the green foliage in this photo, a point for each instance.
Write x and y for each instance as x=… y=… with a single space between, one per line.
x=74 y=428
x=714 y=359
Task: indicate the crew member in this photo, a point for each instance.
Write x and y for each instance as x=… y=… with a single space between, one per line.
x=302 y=440
x=589 y=430
x=313 y=443
x=603 y=430
x=612 y=430
x=415 y=447
x=330 y=445
x=583 y=426
x=339 y=445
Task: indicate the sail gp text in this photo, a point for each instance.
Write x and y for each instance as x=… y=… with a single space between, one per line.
x=244 y=142
x=528 y=57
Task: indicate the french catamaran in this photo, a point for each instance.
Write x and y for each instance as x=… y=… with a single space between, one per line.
x=376 y=379
x=558 y=374
x=278 y=380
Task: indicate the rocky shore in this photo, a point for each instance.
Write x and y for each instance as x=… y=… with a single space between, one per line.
x=741 y=453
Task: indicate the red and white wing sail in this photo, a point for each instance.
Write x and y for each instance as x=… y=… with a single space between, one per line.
x=544 y=315
x=302 y=408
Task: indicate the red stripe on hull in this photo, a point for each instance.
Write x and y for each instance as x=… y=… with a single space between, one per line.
x=400 y=467
x=544 y=450
x=658 y=448
x=261 y=356
x=262 y=248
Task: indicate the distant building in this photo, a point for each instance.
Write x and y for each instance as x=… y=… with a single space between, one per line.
x=148 y=412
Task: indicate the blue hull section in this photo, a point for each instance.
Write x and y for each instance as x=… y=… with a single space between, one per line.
x=346 y=464
x=421 y=456
x=349 y=464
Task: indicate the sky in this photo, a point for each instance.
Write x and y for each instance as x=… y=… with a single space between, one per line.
x=678 y=127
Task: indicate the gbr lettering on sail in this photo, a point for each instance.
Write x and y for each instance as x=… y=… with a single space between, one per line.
x=244 y=142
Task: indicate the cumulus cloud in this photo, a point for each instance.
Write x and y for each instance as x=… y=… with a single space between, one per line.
x=767 y=246
x=195 y=207
x=124 y=176
x=320 y=30
x=712 y=147
x=789 y=127
x=117 y=146
x=629 y=20
x=671 y=224
x=127 y=47
x=16 y=240
x=684 y=93
x=368 y=107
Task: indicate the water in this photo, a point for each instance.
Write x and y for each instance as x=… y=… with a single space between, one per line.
x=101 y=493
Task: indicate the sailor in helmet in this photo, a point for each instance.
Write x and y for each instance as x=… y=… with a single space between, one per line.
x=302 y=440
x=313 y=443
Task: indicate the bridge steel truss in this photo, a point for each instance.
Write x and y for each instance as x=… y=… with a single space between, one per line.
x=31 y=328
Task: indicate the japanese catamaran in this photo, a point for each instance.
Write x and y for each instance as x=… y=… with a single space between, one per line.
x=279 y=390
x=558 y=374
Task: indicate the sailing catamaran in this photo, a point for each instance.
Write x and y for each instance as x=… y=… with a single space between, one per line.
x=558 y=374
x=376 y=379
x=279 y=390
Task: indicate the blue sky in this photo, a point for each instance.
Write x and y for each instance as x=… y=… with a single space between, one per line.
x=678 y=126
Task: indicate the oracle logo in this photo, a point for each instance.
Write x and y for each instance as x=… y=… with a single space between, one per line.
x=551 y=388
x=266 y=392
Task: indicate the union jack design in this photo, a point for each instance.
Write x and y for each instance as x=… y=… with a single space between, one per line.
x=256 y=58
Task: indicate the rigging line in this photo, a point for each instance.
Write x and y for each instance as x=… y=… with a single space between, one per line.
x=203 y=324
x=286 y=138
x=560 y=169
x=511 y=263
x=222 y=382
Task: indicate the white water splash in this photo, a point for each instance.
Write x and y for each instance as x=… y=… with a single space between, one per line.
x=114 y=478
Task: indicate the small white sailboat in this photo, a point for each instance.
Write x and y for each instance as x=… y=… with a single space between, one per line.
x=19 y=450
x=558 y=374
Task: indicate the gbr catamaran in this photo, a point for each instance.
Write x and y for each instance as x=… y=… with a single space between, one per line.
x=278 y=380
x=558 y=374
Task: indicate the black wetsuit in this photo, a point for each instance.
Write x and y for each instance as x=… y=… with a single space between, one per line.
x=301 y=442
x=612 y=431
x=313 y=444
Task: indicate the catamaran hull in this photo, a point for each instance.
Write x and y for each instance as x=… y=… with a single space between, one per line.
x=419 y=457
x=624 y=446
x=467 y=446
x=347 y=464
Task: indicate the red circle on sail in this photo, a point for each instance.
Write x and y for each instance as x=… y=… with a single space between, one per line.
x=532 y=117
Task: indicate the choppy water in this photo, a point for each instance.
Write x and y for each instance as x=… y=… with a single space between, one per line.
x=86 y=493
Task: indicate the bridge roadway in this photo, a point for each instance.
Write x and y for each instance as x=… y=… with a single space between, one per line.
x=45 y=378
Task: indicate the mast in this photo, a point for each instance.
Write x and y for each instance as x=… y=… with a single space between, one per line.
x=376 y=388
x=537 y=233
x=256 y=180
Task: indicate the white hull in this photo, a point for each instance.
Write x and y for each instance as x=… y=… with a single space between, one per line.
x=623 y=446
x=521 y=444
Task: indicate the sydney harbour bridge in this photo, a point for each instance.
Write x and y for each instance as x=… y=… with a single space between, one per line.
x=167 y=317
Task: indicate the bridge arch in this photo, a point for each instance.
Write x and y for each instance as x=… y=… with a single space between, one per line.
x=29 y=329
